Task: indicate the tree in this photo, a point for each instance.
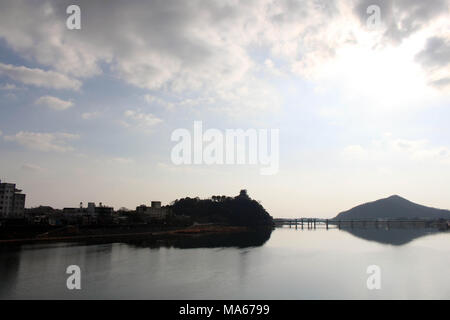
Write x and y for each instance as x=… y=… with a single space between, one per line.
x=243 y=194
x=240 y=210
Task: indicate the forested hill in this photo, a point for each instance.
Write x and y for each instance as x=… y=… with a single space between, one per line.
x=239 y=211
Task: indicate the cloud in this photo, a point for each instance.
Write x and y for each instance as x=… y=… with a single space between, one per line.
x=8 y=86
x=150 y=99
x=435 y=57
x=441 y=83
x=204 y=47
x=43 y=37
x=122 y=160
x=90 y=115
x=39 y=78
x=436 y=53
x=32 y=168
x=402 y=18
x=355 y=152
x=168 y=45
x=390 y=150
x=57 y=142
x=54 y=103
x=141 y=119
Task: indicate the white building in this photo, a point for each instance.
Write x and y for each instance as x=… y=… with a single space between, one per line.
x=91 y=210
x=153 y=212
x=12 y=201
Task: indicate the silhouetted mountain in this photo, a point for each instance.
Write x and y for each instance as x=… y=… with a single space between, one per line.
x=238 y=211
x=394 y=207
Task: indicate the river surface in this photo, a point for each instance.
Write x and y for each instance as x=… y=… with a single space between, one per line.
x=287 y=264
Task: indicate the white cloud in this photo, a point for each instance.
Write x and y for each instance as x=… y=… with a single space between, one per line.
x=8 y=86
x=32 y=168
x=90 y=115
x=202 y=47
x=355 y=152
x=122 y=161
x=403 y=18
x=39 y=78
x=141 y=119
x=123 y=123
x=209 y=48
x=57 y=142
x=38 y=32
x=54 y=103
x=150 y=99
x=389 y=150
x=421 y=150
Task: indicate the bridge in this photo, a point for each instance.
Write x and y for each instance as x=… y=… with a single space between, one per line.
x=313 y=223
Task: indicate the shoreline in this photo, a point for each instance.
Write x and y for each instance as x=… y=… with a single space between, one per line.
x=153 y=236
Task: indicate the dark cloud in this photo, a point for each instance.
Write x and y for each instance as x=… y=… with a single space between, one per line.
x=435 y=58
x=441 y=83
x=435 y=54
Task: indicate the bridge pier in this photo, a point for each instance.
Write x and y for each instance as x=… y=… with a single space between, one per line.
x=326 y=223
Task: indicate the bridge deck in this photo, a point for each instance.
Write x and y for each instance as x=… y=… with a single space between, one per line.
x=311 y=223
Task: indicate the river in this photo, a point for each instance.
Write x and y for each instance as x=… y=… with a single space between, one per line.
x=289 y=263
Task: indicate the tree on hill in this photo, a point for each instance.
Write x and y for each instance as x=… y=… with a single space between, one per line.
x=240 y=210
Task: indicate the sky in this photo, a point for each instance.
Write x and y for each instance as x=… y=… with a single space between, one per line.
x=361 y=101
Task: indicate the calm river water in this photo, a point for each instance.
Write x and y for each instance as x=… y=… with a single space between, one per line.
x=287 y=264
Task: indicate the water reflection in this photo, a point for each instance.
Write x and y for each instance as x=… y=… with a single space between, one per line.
x=280 y=264
x=9 y=266
x=393 y=236
x=254 y=238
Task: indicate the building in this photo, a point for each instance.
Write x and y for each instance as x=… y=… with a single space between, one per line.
x=12 y=201
x=153 y=212
x=91 y=215
x=92 y=210
x=156 y=204
x=103 y=211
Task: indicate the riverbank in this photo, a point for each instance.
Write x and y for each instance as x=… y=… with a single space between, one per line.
x=148 y=234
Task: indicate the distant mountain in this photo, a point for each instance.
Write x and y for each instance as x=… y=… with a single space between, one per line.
x=394 y=207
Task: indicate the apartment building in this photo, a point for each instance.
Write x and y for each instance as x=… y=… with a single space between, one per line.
x=12 y=201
